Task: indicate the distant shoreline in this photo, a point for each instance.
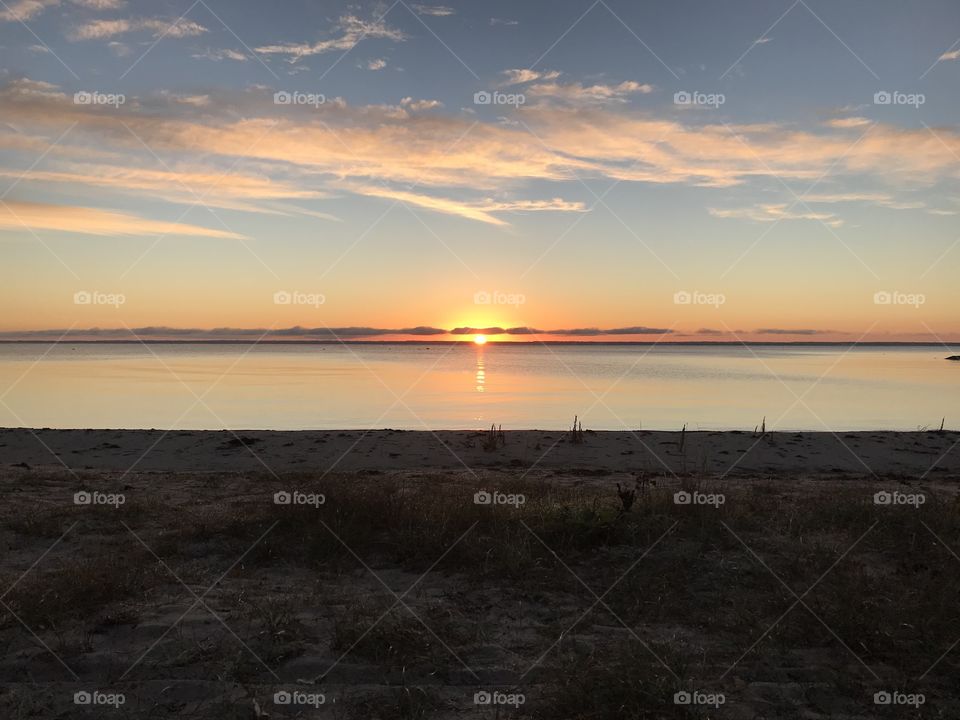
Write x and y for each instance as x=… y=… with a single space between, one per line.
x=687 y=343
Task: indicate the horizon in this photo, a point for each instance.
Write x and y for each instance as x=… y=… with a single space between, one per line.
x=486 y=342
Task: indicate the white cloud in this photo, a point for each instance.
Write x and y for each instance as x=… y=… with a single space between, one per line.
x=411 y=104
x=434 y=10
x=773 y=212
x=99 y=29
x=18 y=215
x=340 y=147
x=952 y=55
x=878 y=199
x=525 y=75
x=194 y=100
x=352 y=29
x=848 y=122
x=480 y=211
x=376 y=64
x=578 y=93
x=100 y=4
x=218 y=55
x=24 y=10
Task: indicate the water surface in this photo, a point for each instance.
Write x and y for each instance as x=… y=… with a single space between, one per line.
x=611 y=387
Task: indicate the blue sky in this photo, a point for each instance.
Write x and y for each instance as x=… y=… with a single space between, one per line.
x=798 y=160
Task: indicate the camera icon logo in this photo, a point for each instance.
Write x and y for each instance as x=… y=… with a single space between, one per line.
x=682 y=298
x=282 y=98
x=882 y=98
x=481 y=298
x=282 y=297
x=882 y=298
x=282 y=498
x=682 y=98
x=882 y=498
x=682 y=698
x=882 y=698
x=82 y=498
x=482 y=498
x=83 y=98
x=682 y=498
x=482 y=698
x=282 y=697
x=82 y=297
x=82 y=697
x=482 y=97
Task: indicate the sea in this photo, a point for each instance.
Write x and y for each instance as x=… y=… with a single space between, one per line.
x=423 y=386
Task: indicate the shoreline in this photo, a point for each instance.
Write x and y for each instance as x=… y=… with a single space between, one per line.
x=908 y=454
x=353 y=341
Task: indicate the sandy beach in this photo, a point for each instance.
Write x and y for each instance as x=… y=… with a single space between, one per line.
x=424 y=576
x=738 y=454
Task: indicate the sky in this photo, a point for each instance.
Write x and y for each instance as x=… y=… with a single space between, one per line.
x=608 y=170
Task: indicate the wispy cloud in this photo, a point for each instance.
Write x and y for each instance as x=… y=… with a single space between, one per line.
x=224 y=54
x=577 y=93
x=99 y=29
x=352 y=30
x=19 y=215
x=434 y=10
x=952 y=55
x=774 y=212
x=100 y=4
x=460 y=162
x=525 y=75
x=878 y=199
x=185 y=185
x=24 y=10
x=848 y=122
x=480 y=211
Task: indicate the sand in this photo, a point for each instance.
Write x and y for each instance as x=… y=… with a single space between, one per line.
x=881 y=454
x=200 y=596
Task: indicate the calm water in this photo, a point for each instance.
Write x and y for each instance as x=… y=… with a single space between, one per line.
x=464 y=386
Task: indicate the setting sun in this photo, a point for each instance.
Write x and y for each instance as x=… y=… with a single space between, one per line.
x=480 y=339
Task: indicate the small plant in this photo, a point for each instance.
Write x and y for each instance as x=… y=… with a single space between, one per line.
x=494 y=438
x=683 y=437
x=762 y=428
x=627 y=497
x=576 y=432
x=942 y=421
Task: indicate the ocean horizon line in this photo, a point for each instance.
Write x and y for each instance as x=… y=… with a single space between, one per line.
x=688 y=343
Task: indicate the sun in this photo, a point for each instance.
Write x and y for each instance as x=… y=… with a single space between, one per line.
x=480 y=339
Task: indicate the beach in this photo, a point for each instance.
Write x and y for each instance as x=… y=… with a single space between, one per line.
x=533 y=574
x=927 y=454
